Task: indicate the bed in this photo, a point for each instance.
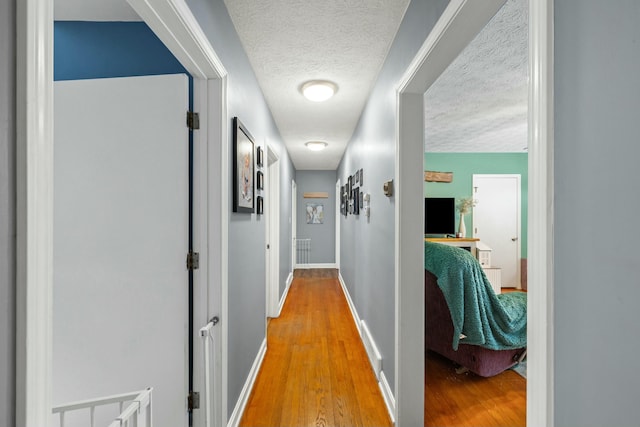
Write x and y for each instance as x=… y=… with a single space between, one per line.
x=466 y=321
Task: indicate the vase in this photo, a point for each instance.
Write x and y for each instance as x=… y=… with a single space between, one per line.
x=462 y=230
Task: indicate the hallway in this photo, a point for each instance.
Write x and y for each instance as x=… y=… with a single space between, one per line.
x=316 y=371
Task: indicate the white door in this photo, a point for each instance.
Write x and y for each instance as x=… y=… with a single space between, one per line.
x=294 y=236
x=272 y=211
x=496 y=222
x=120 y=224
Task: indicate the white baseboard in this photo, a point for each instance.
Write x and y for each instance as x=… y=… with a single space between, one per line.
x=285 y=293
x=241 y=404
x=308 y=266
x=375 y=358
x=352 y=306
x=387 y=394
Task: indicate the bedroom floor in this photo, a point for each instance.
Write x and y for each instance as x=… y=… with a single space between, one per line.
x=467 y=399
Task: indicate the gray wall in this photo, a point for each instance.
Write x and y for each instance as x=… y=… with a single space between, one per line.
x=7 y=211
x=323 y=236
x=247 y=316
x=597 y=203
x=367 y=250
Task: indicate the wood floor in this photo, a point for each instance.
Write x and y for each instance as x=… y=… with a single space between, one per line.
x=469 y=400
x=316 y=371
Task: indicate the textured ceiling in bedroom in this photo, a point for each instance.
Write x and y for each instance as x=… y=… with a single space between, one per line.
x=479 y=104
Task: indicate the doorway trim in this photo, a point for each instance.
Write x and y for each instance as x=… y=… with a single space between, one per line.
x=272 y=210
x=458 y=25
x=175 y=25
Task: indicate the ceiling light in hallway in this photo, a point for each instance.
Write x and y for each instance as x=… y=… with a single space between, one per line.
x=318 y=90
x=316 y=145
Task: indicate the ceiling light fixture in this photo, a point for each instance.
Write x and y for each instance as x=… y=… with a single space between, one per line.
x=316 y=145
x=318 y=90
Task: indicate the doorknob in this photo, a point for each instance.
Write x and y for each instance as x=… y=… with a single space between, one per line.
x=513 y=239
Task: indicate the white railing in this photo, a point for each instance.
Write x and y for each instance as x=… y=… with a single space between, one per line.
x=139 y=403
x=205 y=334
x=303 y=251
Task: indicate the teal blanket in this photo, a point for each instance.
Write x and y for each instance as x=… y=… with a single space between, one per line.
x=497 y=322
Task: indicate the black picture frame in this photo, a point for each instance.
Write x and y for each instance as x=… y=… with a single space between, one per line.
x=243 y=169
x=259 y=156
x=260 y=180
x=361 y=178
x=260 y=205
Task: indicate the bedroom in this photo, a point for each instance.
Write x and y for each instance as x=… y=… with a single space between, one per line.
x=479 y=129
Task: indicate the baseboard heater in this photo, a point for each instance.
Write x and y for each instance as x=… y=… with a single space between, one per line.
x=372 y=351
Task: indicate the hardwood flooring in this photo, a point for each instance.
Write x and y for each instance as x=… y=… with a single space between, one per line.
x=469 y=400
x=316 y=371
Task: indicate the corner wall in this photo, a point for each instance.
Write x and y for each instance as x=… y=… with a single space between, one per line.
x=7 y=212
x=367 y=249
x=597 y=203
x=323 y=236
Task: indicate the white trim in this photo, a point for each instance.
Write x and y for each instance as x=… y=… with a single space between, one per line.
x=352 y=307
x=372 y=353
x=285 y=293
x=387 y=395
x=243 y=399
x=174 y=24
x=318 y=265
x=540 y=335
x=34 y=207
x=338 y=197
x=458 y=24
x=272 y=211
x=375 y=358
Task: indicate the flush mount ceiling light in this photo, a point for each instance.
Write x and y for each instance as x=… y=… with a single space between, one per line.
x=318 y=90
x=316 y=145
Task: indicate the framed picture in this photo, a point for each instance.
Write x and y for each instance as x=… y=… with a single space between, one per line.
x=357 y=177
x=259 y=156
x=361 y=178
x=243 y=169
x=315 y=213
x=260 y=203
x=260 y=180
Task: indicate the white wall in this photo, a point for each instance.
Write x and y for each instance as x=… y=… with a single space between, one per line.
x=247 y=239
x=367 y=249
x=597 y=204
x=7 y=211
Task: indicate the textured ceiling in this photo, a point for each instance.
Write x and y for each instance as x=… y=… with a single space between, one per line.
x=479 y=104
x=291 y=41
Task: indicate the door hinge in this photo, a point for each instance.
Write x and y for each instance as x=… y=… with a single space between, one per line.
x=193 y=261
x=193 y=120
x=193 y=400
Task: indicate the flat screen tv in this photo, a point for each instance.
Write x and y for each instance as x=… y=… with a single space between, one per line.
x=439 y=215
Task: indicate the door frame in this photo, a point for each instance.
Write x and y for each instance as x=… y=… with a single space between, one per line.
x=272 y=211
x=294 y=226
x=175 y=25
x=518 y=179
x=338 y=217
x=457 y=26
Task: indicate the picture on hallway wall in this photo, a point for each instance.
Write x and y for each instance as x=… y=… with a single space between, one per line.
x=315 y=213
x=243 y=169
